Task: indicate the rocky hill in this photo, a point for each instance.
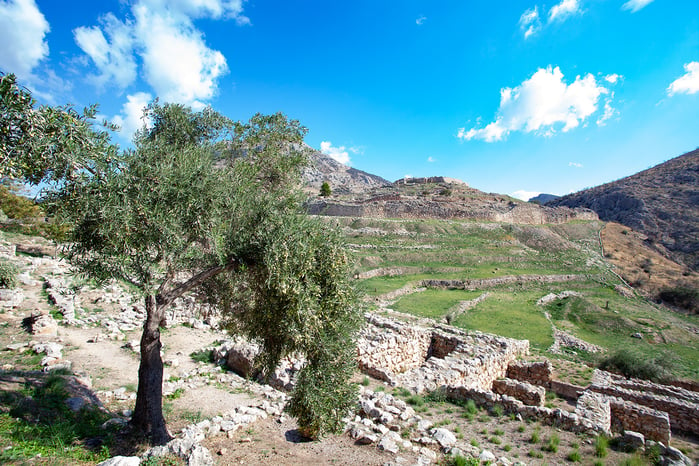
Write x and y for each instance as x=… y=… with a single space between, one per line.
x=544 y=198
x=342 y=179
x=441 y=198
x=661 y=202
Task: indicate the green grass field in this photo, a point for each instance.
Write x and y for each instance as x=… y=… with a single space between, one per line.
x=453 y=250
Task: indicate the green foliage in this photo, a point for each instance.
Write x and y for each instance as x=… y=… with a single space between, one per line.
x=458 y=460
x=574 y=456
x=553 y=443
x=632 y=364
x=601 y=446
x=325 y=190
x=210 y=199
x=204 y=356
x=8 y=274
x=16 y=206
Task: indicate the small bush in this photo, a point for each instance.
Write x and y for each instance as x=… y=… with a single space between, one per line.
x=495 y=440
x=8 y=274
x=498 y=410
x=682 y=297
x=437 y=396
x=415 y=400
x=204 y=356
x=365 y=381
x=536 y=437
x=458 y=460
x=633 y=365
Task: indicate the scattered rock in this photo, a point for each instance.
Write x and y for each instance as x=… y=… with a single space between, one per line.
x=121 y=461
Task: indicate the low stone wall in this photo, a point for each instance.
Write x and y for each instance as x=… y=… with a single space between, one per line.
x=423 y=359
x=536 y=373
x=595 y=408
x=565 y=390
x=526 y=393
x=555 y=417
x=481 y=283
x=653 y=424
x=386 y=348
x=680 y=404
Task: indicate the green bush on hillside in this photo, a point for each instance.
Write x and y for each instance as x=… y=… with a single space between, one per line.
x=8 y=274
x=634 y=365
x=683 y=297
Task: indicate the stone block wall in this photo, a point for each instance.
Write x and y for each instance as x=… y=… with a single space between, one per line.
x=682 y=407
x=387 y=348
x=424 y=359
x=536 y=373
x=565 y=390
x=527 y=393
x=557 y=417
x=595 y=408
x=653 y=424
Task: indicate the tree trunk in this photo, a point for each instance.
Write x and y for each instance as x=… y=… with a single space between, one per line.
x=148 y=413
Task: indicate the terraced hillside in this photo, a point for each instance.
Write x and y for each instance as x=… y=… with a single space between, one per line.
x=550 y=284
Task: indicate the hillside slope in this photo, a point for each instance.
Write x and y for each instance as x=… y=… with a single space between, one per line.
x=342 y=179
x=661 y=202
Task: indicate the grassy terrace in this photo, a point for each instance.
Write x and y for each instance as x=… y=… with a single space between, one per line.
x=453 y=250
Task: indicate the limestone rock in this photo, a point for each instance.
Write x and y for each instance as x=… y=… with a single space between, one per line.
x=121 y=461
x=444 y=437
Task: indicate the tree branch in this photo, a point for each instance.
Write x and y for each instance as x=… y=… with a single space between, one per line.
x=164 y=299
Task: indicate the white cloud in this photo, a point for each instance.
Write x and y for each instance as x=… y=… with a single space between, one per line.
x=131 y=117
x=22 y=31
x=613 y=78
x=635 y=5
x=609 y=111
x=176 y=61
x=421 y=20
x=688 y=83
x=564 y=10
x=340 y=154
x=358 y=150
x=114 y=59
x=524 y=195
x=575 y=164
x=431 y=159
x=539 y=104
x=529 y=22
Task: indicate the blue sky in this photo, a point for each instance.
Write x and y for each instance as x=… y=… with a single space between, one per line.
x=515 y=97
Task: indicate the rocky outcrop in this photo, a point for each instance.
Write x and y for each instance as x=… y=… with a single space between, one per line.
x=661 y=202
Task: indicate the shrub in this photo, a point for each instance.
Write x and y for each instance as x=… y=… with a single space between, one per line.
x=8 y=274
x=683 y=297
x=458 y=460
x=632 y=364
x=437 y=396
x=553 y=443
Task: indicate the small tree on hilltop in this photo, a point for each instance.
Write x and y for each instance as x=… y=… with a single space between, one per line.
x=204 y=205
x=325 y=190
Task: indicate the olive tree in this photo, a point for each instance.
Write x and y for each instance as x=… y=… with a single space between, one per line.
x=205 y=205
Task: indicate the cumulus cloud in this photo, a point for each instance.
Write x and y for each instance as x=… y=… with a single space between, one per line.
x=541 y=104
x=421 y=20
x=176 y=61
x=688 y=83
x=613 y=78
x=564 y=10
x=340 y=154
x=635 y=5
x=114 y=58
x=24 y=27
x=131 y=117
x=431 y=159
x=524 y=195
x=575 y=164
x=529 y=22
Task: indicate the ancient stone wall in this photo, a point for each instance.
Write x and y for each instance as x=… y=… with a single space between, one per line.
x=565 y=390
x=387 y=348
x=424 y=359
x=653 y=424
x=527 y=393
x=596 y=409
x=536 y=373
x=681 y=405
x=480 y=283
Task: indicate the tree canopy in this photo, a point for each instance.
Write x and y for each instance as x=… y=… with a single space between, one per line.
x=204 y=205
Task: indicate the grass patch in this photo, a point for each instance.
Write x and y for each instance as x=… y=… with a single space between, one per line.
x=204 y=356
x=35 y=420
